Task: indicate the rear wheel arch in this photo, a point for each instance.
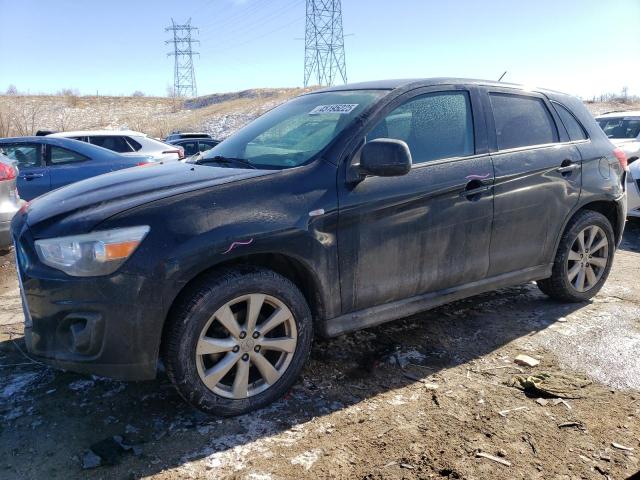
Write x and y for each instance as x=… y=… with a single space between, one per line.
x=606 y=207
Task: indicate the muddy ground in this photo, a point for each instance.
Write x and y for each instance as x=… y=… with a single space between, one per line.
x=424 y=397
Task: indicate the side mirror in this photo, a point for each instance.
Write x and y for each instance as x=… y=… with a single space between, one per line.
x=385 y=157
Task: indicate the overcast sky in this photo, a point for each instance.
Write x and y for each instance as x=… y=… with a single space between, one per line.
x=584 y=47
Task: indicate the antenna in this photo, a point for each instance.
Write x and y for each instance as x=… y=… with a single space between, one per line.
x=184 y=77
x=502 y=76
x=324 y=42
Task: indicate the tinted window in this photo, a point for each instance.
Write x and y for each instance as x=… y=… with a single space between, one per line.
x=620 y=127
x=204 y=146
x=436 y=125
x=135 y=146
x=575 y=130
x=115 y=143
x=62 y=155
x=522 y=121
x=25 y=155
x=190 y=148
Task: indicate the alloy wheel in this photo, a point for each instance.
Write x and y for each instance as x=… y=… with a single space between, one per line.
x=246 y=346
x=587 y=258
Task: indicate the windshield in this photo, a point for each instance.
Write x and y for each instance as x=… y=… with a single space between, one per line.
x=295 y=132
x=620 y=127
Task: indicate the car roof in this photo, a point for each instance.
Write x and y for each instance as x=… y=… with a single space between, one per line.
x=620 y=113
x=98 y=133
x=429 y=82
x=188 y=133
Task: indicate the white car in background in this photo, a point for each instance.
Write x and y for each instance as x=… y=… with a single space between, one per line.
x=623 y=129
x=127 y=142
x=633 y=190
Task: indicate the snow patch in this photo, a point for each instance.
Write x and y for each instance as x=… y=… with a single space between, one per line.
x=307 y=459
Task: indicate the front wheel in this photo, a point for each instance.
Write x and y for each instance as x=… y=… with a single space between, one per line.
x=583 y=259
x=238 y=341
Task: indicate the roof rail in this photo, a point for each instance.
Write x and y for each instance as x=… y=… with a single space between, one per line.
x=615 y=111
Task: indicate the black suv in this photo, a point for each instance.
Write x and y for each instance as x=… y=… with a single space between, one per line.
x=341 y=209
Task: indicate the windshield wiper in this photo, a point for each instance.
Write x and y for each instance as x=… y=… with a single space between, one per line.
x=227 y=161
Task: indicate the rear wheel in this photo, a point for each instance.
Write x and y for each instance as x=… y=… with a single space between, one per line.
x=583 y=259
x=238 y=342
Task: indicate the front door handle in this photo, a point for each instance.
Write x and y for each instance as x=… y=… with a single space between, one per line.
x=31 y=176
x=475 y=188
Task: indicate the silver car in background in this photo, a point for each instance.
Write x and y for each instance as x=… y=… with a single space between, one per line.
x=623 y=129
x=10 y=201
x=127 y=142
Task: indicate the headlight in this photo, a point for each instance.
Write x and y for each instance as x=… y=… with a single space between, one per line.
x=92 y=254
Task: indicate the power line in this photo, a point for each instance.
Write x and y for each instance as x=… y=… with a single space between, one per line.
x=248 y=23
x=184 y=77
x=324 y=42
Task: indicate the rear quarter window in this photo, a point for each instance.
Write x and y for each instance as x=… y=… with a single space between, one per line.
x=575 y=130
x=115 y=143
x=522 y=121
x=135 y=146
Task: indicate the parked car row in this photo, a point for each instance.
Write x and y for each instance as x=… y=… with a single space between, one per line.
x=47 y=163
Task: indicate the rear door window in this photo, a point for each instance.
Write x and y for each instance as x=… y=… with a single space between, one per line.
x=60 y=156
x=574 y=129
x=25 y=155
x=434 y=126
x=115 y=143
x=522 y=121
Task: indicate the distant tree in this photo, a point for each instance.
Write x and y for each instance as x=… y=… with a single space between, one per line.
x=68 y=92
x=625 y=94
x=11 y=90
x=138 y=93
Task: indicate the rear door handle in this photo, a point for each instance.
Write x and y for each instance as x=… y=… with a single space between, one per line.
x=568 y=168
x=30 y=176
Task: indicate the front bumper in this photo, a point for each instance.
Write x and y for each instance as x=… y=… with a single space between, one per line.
x=109 y=326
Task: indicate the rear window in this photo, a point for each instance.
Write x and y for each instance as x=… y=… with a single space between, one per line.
x=574 y=129
x=115 y=143
x=620 y=127
x=522 y=121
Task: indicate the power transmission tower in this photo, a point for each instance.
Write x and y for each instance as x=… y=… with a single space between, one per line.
x=324 y=42
x=184 y=78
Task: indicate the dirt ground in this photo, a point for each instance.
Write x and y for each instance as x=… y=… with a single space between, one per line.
x=425 y=397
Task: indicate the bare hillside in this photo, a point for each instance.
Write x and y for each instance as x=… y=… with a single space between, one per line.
x=218 y=114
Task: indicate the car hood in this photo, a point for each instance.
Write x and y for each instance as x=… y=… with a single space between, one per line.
x=624 y=142
x=80 y=206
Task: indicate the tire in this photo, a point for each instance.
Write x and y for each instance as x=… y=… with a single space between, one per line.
x=205 y=312
x=564 y=283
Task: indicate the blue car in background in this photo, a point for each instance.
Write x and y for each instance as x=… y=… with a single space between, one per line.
x=47 y=163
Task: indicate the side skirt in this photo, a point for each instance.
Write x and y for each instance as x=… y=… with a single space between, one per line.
x=372 y=316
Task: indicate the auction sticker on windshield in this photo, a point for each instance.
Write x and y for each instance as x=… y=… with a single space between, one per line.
x=342 y=108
